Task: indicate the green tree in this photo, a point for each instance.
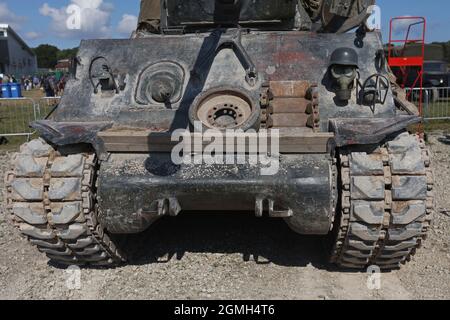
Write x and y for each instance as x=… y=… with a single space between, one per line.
x=47 y=55
x=67 y=53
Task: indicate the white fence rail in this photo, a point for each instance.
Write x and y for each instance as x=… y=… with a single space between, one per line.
x=15 y=117
x=44 y=106
x=436 y=102
x=17 y=114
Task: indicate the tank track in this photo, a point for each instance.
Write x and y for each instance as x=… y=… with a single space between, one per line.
x=51 y=199
x=386 y=204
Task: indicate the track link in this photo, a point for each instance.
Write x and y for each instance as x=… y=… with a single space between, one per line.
x=386 y=204
x=51 y=199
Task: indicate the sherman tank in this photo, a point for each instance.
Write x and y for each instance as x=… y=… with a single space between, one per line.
x=286 y=80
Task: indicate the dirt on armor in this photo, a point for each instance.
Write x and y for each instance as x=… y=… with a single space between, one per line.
x=231 y=257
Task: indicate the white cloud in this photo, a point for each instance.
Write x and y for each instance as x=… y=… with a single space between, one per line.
x=95 y=18
x=32 y=35
x=401 y=26
x=127 y=24
x=9 y=17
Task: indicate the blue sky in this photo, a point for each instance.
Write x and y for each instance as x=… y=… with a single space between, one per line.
x=43 y=21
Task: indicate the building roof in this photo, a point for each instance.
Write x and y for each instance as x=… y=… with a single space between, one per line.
x=17 y=37
x=63 y=64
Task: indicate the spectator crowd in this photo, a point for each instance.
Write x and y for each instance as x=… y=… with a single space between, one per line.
x=52 y=84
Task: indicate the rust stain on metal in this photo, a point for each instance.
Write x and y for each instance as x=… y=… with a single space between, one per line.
x=297 y=89
x=288 y=120
x=290 y=105
x=284 y=57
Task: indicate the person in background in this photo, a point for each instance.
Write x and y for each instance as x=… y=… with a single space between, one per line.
x=60 y=86
x=27 y=84
x=49 y=86
x=36 y=82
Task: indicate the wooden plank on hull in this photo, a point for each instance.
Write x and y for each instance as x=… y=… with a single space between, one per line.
x=290 y=141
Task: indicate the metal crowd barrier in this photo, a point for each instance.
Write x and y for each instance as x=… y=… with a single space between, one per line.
x=45 y=106
x=436 y=102
x=17 y=113
x=15 y=116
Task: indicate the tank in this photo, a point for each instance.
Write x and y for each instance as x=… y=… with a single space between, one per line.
x=264 y=107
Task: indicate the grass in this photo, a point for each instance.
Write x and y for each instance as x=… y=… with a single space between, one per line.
x=33 y=94
x=15 y=116
x=13 y=144
x=437 y=109
x=437 y=125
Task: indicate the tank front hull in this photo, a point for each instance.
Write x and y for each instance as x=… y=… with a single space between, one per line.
x=135 y=190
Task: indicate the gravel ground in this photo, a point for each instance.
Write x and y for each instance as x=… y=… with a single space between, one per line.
x=223 y=257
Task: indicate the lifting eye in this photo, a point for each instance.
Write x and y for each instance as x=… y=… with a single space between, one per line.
x=374 y=90
x=100 y=69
